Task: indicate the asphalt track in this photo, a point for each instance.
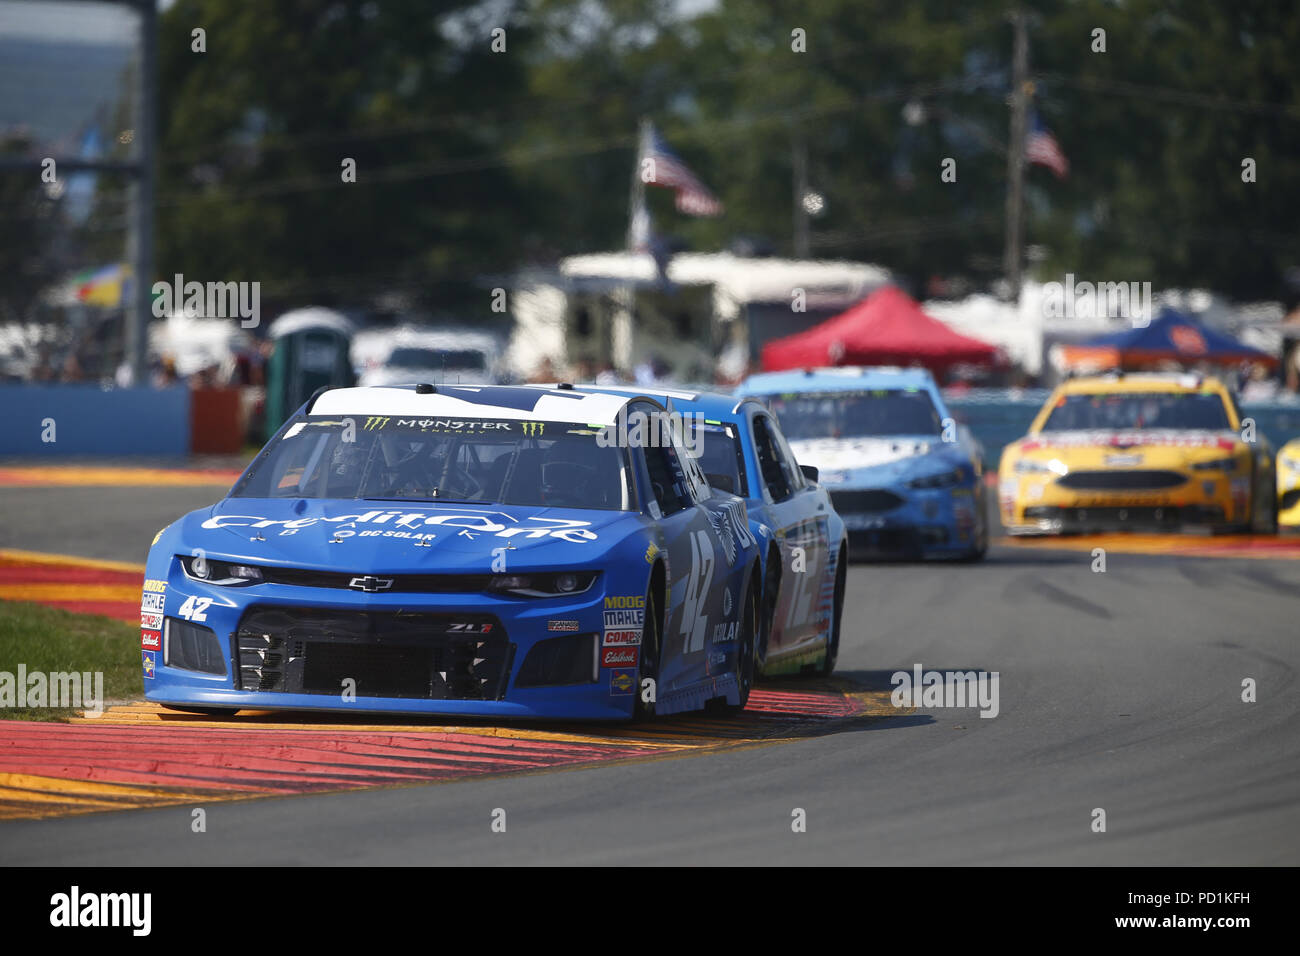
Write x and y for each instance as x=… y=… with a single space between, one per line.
x=1118 y=690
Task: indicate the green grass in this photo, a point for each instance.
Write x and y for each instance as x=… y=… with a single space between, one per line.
x=53 y=640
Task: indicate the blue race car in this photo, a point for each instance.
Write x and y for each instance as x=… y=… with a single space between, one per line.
x=494 y=551
x=908 y=482
x=741 y=450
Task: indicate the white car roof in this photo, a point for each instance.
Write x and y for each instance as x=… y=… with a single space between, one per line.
x=475 y=401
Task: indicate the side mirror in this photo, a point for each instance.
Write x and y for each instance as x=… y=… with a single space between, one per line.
x=810 y=472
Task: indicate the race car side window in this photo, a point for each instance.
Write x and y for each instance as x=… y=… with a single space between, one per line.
x=797 y=481
x=667 y=478
x=776 y=478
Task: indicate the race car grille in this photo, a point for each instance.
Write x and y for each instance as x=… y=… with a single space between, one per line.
x=858 y=502
x=895 y=542
x=1144 y=516
x=395 y=583
x=1121 y=480
x=385 y=654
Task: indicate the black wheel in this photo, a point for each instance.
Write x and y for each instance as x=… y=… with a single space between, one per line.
x=648 y=664
x=746 y=642
x=205 y=711
x=767 y=615
x=981 y=546
x=1267 y=522
x=837 y=615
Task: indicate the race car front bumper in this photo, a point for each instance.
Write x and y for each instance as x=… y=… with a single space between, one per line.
x=1051 y=519
x=1034 y=505
x=269 y=647
x=905 y=523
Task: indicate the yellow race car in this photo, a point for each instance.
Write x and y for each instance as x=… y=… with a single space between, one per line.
x=1288 y=486
x=1138 y=451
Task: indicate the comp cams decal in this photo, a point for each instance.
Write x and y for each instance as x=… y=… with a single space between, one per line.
x=623 y=638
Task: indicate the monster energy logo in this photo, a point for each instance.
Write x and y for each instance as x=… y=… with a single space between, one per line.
x=533 y=429
x=373 y=422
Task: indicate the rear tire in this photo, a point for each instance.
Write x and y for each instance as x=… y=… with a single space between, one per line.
x=771 y=594
x=837 y=616
x=746 y=641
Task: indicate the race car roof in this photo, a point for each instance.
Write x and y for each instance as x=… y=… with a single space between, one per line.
x=713 y=405
x=840 y=379
x=523 y=402
x=1140 y=382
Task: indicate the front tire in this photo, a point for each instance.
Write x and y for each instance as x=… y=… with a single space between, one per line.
x=648 y=663
x=981 y=547
x=205 y=711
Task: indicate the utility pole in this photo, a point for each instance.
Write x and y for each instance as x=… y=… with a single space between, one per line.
x=799 y=164
x=138 y=307
x=140 y=240
x=1011 y=257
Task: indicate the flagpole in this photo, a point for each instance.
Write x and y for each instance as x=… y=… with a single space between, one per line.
x=636 y=200
x=623 y=332
x=1011 y=257
x=799 y=170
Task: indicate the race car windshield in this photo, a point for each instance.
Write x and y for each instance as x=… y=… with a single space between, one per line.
x=1138 y=410
x=866 y=414
x=438 y=359
x=510 y=462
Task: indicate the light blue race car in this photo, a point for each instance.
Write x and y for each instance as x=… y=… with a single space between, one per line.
x=906 y=479
x=460 y=550
x=803 y=548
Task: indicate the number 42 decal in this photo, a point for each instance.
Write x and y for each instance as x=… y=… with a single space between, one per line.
x=195 y=608
x=694 y=620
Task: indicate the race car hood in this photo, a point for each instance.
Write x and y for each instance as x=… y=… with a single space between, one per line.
x=1166 y=444
x=876 y=461
x=383 y=535
x=1164 y=447
x=831 y=454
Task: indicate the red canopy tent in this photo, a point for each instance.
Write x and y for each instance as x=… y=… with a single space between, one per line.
x=885 y=328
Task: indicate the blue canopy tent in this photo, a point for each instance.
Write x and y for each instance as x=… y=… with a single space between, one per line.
x=1171 y=336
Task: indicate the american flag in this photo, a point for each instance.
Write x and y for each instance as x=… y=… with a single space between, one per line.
x=667 y=169
x=1042 y=148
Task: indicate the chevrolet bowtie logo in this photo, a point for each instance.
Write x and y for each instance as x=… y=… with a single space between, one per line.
x=371 y=583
